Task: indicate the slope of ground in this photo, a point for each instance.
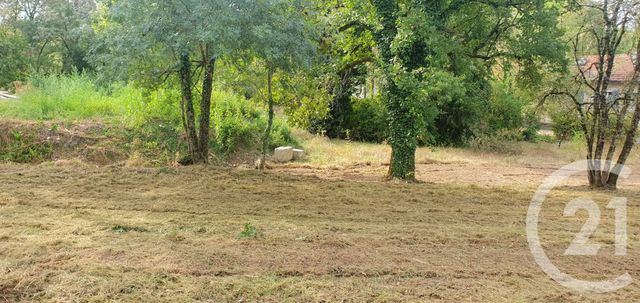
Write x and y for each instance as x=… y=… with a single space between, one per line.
x=29 y=141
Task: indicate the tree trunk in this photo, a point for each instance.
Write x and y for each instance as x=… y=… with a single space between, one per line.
x=205 y=108
x=403 y=163
x=626 y=149
x=188 y=113
x=402 y=122
x=402 y=137
x=267 y=134
x=613 y=146
x=602 y=117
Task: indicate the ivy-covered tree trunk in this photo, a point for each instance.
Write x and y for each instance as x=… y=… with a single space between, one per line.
x=205 y=106
x=402 y=123
x=402 y=135
x=188 y=112
x=267 y=134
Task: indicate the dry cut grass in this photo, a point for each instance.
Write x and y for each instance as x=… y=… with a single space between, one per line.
x=74 y=233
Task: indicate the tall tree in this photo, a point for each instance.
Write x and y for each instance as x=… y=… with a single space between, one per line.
x=432 y=51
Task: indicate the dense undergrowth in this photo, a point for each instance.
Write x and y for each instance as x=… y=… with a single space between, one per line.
x=144 y=122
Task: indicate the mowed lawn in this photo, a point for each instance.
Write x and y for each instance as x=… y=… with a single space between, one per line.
x=75 y=233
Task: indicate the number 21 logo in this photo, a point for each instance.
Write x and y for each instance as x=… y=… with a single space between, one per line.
x=580 y=245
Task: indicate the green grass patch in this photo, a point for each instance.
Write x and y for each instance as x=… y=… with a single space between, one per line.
x=121 y=229
x=73 y=97
x=249 y=232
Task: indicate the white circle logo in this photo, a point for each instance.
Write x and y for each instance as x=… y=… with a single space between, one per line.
x=580 y=246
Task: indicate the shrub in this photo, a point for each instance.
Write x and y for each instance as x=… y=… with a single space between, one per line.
x=160 y=105
x=237 y=123
x=505 y=110
x=566 y=123
x=368 y=121
x=505 y=118
x=240 y=123
x=532 y=126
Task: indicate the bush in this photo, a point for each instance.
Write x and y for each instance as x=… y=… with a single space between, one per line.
x=368 y=121
x=503 y=111
x=566 y=123
x=143 y=106
x=532 y=126
x=240 y=123
x=505 y=118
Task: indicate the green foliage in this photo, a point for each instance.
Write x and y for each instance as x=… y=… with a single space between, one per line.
x=280 y=35
x=505 y=109
x=23 y=148
x=436 y=63
x=308 y=106
x=13 y=64
x=58 y=33
x=152 y=117
x=532 y=127
x=452 y=108
x=155 y=140
x=249 y=232
x=545 y=139
x=368 y=121
x=566 y=122
x=144 y=106
x=240 y=123
x=442 y=53
x=140 y=38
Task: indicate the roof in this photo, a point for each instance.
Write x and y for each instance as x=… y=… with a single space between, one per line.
x=623 y=67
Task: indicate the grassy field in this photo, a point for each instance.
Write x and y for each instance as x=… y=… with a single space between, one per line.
x=328 y=230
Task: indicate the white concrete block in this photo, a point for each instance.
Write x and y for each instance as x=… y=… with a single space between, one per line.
x=283 y=154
